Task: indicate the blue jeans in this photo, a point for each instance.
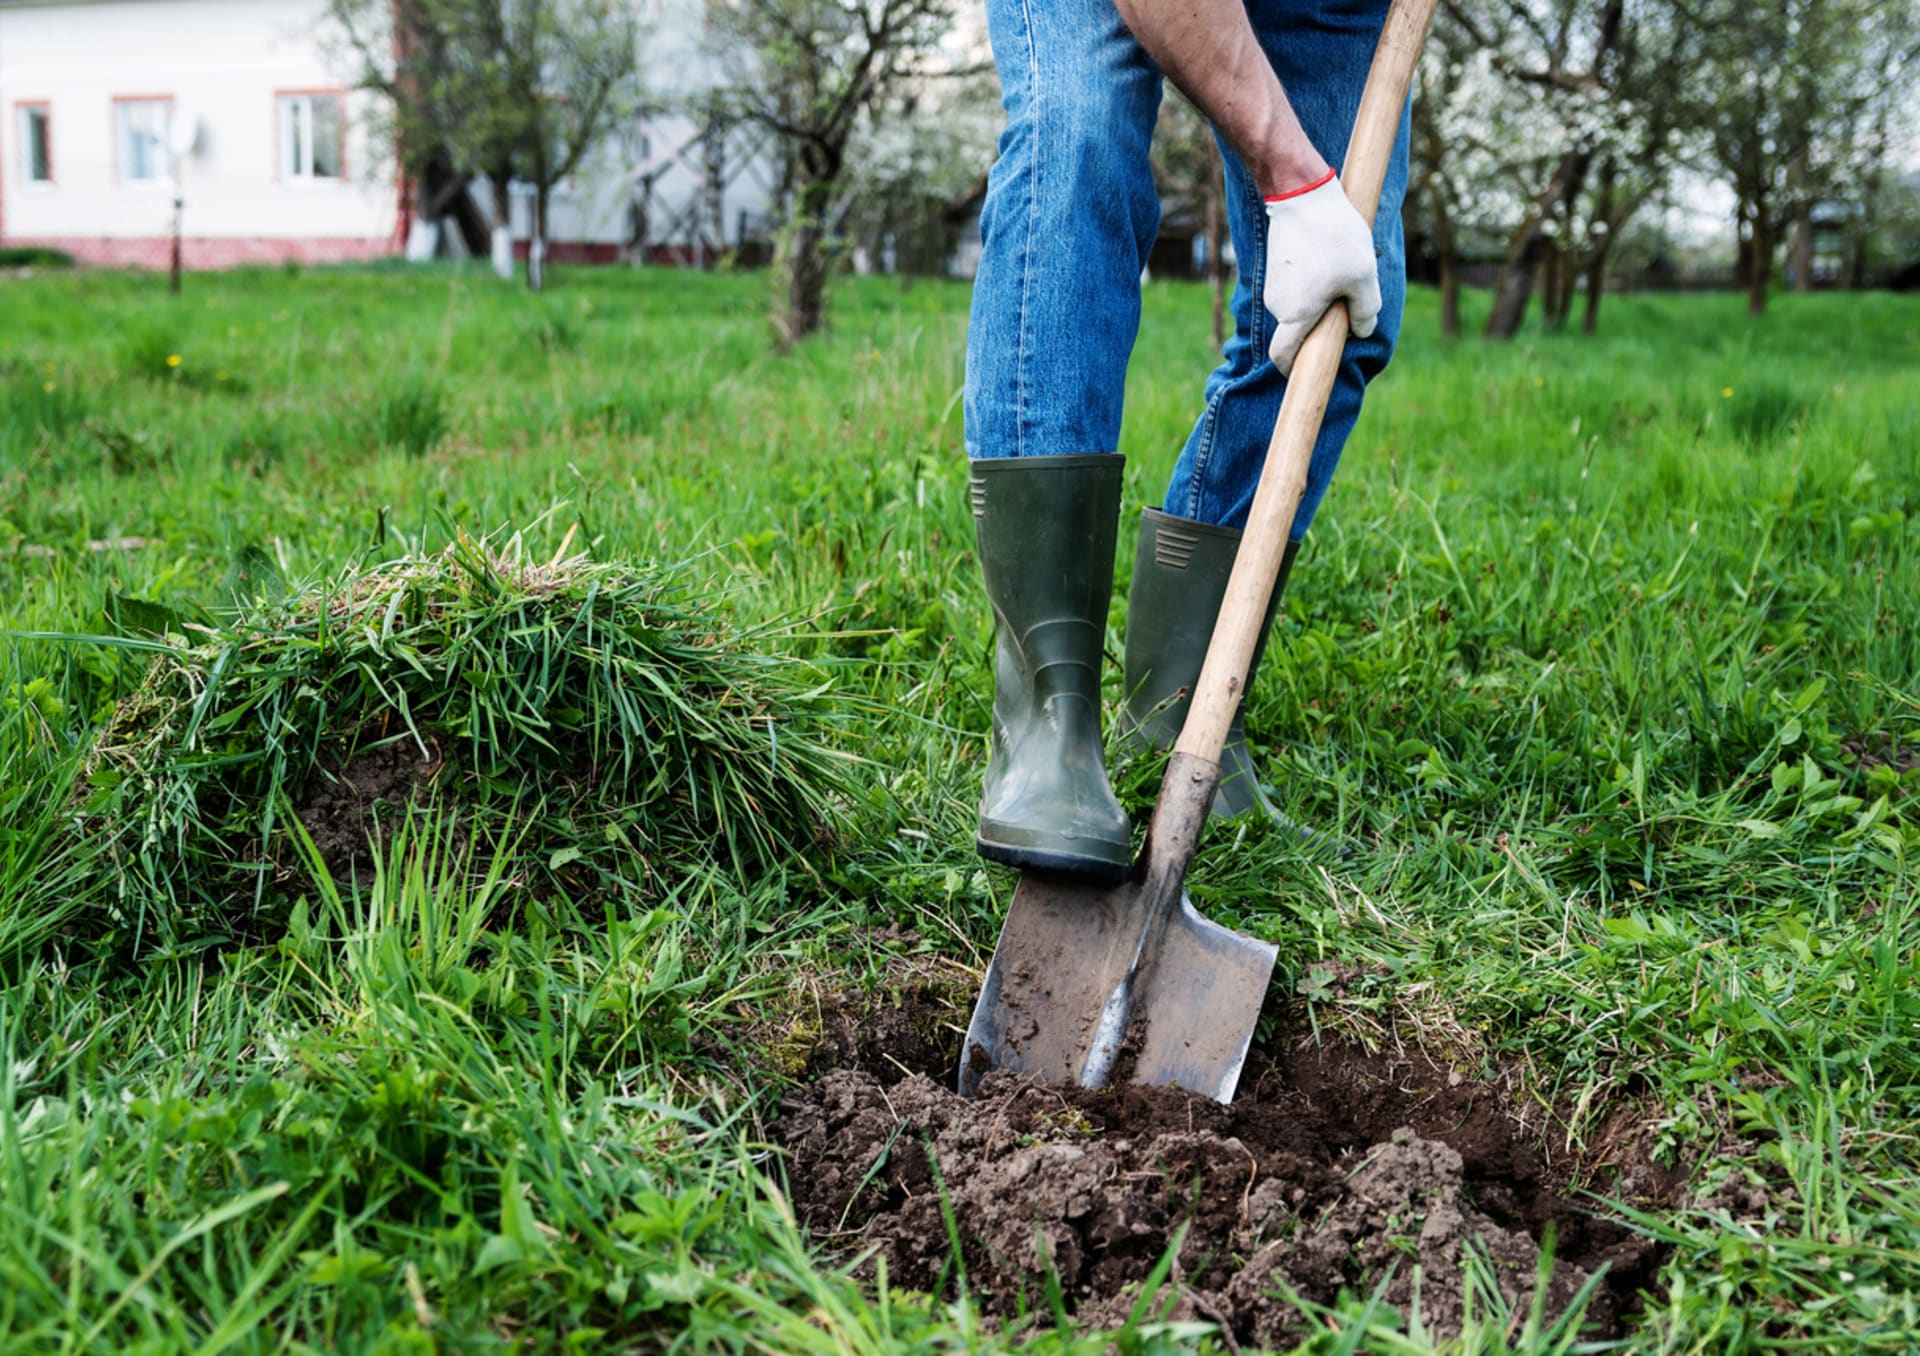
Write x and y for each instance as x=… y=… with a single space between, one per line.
x=1071 y=213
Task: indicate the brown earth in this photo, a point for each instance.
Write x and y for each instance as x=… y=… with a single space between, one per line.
x=1335 y=1169
x=348 y=808
x=1880 y=750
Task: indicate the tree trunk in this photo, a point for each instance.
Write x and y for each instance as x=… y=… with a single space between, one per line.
x=1803 y=246
x=1445 y=249
x=1514 y=287
x=1528 y=249
x=502 y=235
x=1552 y=301
x=1596 y=283
x=174 y=263
x=801 y=263
x=1760 y=269
x=537 y=247
x=1531 y=241
x=713 y=186
x=1449 y=296
x=1597 y=261
x=806 y=282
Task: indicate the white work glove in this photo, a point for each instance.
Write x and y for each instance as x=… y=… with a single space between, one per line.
x=1319 y=251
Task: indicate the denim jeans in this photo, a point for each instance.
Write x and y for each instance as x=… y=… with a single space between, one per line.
x=1071 y=213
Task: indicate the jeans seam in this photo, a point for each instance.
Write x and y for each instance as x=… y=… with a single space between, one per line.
x=1261 y=227
x=1038 y=160
x=1210 y=420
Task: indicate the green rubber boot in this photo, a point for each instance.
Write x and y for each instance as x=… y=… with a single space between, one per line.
x=1179 y=579
x=1045 y=528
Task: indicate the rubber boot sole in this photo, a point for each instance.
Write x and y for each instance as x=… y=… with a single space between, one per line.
x=1104 y=870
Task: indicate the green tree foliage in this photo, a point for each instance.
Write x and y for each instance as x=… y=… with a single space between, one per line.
x=1554 y=123
x=501 y=89
x=1802 y=96
x=816 y=73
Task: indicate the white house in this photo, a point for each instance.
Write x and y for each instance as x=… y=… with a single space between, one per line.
x=115 y=114
x=116 y=109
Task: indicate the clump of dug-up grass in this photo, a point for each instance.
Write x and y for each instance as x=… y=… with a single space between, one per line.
x=611 y=728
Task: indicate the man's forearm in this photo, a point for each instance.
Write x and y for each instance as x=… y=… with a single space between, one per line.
x=1207 y=48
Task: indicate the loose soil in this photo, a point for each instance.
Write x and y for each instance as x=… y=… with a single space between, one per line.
x=347 y=809
x=1880 y=750
x=1335 y=1169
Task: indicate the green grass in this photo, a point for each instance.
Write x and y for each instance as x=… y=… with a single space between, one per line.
x=632 y=732
x=1605 y=651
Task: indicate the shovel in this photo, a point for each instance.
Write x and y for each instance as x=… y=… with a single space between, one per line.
x=1093 y=984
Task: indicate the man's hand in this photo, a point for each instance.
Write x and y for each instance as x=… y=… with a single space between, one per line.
x=1319 y=251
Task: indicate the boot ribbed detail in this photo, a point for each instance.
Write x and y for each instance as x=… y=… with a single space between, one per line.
x=1045 y=528
x=1180 y=574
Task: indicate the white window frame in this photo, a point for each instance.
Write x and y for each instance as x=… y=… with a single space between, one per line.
x=161 y=145
x=295 y=110
x=23 y=125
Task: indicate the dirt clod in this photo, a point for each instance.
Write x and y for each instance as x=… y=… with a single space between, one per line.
x=347 y=808
x=1334 y=1170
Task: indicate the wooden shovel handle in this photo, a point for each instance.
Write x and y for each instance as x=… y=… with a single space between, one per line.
x=1283 y=478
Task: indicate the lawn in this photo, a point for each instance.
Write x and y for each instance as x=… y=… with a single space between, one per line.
x=1603 y=653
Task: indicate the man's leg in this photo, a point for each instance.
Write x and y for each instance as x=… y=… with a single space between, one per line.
x=1069 y=218
x=1186 y=554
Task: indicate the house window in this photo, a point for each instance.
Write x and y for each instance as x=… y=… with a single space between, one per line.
x=144 y=133
x=311 y=131
x=36 y=143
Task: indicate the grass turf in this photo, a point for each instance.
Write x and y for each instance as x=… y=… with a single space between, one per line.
x=1605 y=651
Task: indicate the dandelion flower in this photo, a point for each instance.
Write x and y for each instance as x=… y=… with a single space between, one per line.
x=1726 y=393
x=47 y=386
x=173 y=360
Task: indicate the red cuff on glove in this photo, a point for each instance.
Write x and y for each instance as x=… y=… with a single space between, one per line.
x=1323 y=179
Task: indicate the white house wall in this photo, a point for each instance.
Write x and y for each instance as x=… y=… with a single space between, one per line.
x=681 y=68
x=645 y=185
x=224 y=64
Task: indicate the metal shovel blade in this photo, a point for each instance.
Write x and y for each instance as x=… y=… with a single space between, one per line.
x=1091 y=983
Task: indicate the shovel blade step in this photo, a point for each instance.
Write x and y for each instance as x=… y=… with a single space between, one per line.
x=1068 y=944
x=1198 y=1005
